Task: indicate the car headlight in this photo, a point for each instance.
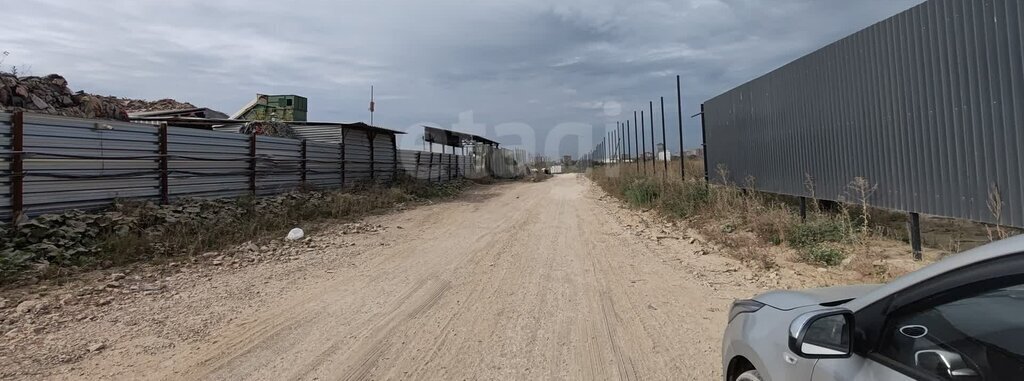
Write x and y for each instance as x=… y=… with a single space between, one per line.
x=744 y=306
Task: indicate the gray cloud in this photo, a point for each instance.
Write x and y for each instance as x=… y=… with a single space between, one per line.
x=515 y=61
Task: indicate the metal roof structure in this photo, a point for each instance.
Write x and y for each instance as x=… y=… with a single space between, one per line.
x=196 y=112
x=453 y=138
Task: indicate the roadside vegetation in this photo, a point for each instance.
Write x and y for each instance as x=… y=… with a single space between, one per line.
x=754 y=227
x=129 y=231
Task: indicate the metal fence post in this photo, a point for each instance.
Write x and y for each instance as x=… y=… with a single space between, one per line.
x=430 y=166
x=416 y=173
x=252 y=164
x=915 y=235
x=654 y=144
x=302 y=149
x=17 y=166
x=372 y=136
x=165 y=192
x=394 y=157
x=628 y=146
x=803 y=209
x=664 y=138
x=704 y=143
x=343 y=158
x=636 y=140
x=643 y=141
x=682 y=150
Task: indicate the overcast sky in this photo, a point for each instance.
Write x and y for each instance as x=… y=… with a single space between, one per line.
x=526 y=72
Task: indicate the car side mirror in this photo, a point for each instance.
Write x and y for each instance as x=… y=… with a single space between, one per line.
x=822 y=334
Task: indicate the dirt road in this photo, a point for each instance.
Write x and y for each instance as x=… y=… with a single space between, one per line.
x=525 y=281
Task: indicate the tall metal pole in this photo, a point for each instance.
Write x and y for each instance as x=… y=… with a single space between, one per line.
x=629 y=144
x=619 y=142
x=664 y=140
x=615 y=143
x=654 y=149
x=643 y=141
x=636 y=140
x=704 y=143
x=682 y=156
x=612 y=146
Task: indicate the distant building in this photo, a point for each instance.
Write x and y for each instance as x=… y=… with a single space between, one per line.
x=283 y=108
x=694 y=153
x=663 y=155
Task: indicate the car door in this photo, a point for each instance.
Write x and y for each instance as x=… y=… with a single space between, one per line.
x=967 y=325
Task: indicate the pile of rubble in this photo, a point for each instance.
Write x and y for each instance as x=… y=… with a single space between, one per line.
x=268 y=128
x=139 y=105
x=51 y=95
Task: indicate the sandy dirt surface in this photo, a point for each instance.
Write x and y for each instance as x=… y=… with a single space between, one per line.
x=549 y=280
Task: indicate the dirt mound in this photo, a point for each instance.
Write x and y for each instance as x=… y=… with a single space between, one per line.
x=51 y=95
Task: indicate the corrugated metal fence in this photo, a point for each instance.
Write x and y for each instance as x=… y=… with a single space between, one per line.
x=928 y=105
x=432 y=166
x=50 y=164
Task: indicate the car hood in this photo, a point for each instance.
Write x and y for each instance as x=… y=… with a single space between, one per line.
x=788 y=300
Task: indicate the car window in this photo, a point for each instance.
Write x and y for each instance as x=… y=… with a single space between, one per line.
x=975 y=336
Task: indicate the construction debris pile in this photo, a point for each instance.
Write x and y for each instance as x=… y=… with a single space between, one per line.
x=51 y=95
x=268 y=128
x=139 y=105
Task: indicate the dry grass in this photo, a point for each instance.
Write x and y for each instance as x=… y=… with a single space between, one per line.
x=747 y=223
x=146 y=231
x=852 y=235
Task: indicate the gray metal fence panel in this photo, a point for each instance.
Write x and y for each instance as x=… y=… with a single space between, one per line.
x=5 y=166
x=206 y=164
x=278 y=165
x=383 y=158
x=72 y=163
x=79 y=164
x=407 y=163
x=323 y=164
x=927 y=105
x=357 y=157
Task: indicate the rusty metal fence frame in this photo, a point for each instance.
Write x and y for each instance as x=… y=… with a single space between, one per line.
x=51 y=163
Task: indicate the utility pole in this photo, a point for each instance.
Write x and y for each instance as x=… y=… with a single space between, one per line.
x=372 y=105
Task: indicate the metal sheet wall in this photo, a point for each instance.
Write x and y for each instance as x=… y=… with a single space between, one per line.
x=278 y=165
x=383 y=158
x=207 y=163
x=5 y=166
x=432 y=166
x=80 y=164
x=357 y=157
x=323 y=164
x=927 y=105
x=72 y=163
